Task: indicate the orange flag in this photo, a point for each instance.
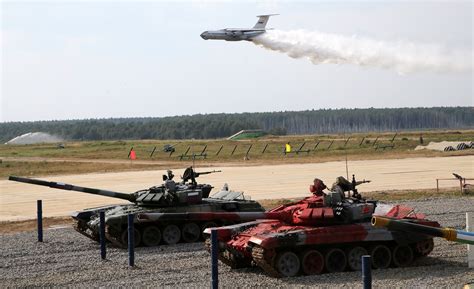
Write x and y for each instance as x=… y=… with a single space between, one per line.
x=132 y=155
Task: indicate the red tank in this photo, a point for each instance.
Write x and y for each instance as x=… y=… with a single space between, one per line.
x=325 y=233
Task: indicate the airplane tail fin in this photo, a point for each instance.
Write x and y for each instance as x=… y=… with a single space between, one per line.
x=262 y=21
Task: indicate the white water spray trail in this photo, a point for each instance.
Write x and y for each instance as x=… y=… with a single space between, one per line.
x=403 y=57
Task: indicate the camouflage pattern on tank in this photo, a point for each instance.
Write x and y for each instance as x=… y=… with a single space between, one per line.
x=323 y=233
x=178 y=199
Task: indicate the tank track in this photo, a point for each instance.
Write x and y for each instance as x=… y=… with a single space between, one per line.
x=258 y=256
x=81 y=228
x=226 y=257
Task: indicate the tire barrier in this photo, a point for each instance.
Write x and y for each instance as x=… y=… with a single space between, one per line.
x=449 y=149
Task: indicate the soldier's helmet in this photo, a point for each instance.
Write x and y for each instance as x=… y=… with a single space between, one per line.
x=342 y=183
x=317 y=187
x=170 y=174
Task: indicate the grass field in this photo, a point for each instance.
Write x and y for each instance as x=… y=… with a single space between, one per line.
x=322 y=148
x=43 y=168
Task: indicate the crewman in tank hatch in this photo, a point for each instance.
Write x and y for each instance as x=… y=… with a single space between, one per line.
x=317 y=187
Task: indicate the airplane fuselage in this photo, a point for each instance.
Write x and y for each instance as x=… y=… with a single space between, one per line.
x=232 y=34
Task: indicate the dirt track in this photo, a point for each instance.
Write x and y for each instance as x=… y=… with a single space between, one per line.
x=18 y=201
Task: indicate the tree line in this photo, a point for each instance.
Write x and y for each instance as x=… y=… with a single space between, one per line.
x=205 y=126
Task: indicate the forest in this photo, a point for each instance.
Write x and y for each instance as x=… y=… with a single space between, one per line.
x=210 y=126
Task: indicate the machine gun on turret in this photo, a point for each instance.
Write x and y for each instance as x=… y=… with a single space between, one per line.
x=342 y=185
x=355 y=193
x=191 y=175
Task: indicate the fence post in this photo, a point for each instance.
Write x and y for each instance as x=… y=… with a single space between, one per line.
x=152 y=152
x=233 y=151
x=219 y=151
x=264 y=149
x=131 y=241
x=103 y=252
x=330 y=145
x=347 y=141
x=366 y=272
x=214 y=260
x=375 y=141
x=470 y=248
x=316 y=145
x=394 y=137
x=248 y=151
x=39 y=212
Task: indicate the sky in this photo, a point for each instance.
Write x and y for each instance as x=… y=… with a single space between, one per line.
x=101 y=59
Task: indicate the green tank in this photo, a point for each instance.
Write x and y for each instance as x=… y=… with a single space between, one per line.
x=186 y=196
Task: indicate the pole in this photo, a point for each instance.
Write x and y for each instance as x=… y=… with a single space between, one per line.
x=316 y=145
x=232 y=153
x=366 y=272
x=347 y=141
x=218 y=152
x=330 y=145
x=131 y=241
x=248 y=151
x=103 y=252
x=214 y=268
x=39 y=211
x=375 y=141
x=152 y=152
x=470 y=248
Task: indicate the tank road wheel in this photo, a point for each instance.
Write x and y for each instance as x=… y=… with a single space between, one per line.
x=124 y=238
x=354 y=258
x=191 y=232
x=402 y=255
x=381 y=257
x=205 y=226
x=151 y=236
x=335 y=260
x=171 y=234
x=287 y=264
x=312 y=262
x=424 y=247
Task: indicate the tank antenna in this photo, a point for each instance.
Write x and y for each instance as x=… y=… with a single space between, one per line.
x=347 y=167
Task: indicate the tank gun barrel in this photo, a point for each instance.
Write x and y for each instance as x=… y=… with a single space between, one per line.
x=449 y=234
x=69 y=187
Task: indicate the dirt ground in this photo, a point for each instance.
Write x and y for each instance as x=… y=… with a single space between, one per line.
x=18 y=201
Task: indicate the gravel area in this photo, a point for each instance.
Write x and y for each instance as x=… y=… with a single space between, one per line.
x=66 y=258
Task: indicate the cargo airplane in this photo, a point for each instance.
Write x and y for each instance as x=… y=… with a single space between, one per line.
x=238 y=34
